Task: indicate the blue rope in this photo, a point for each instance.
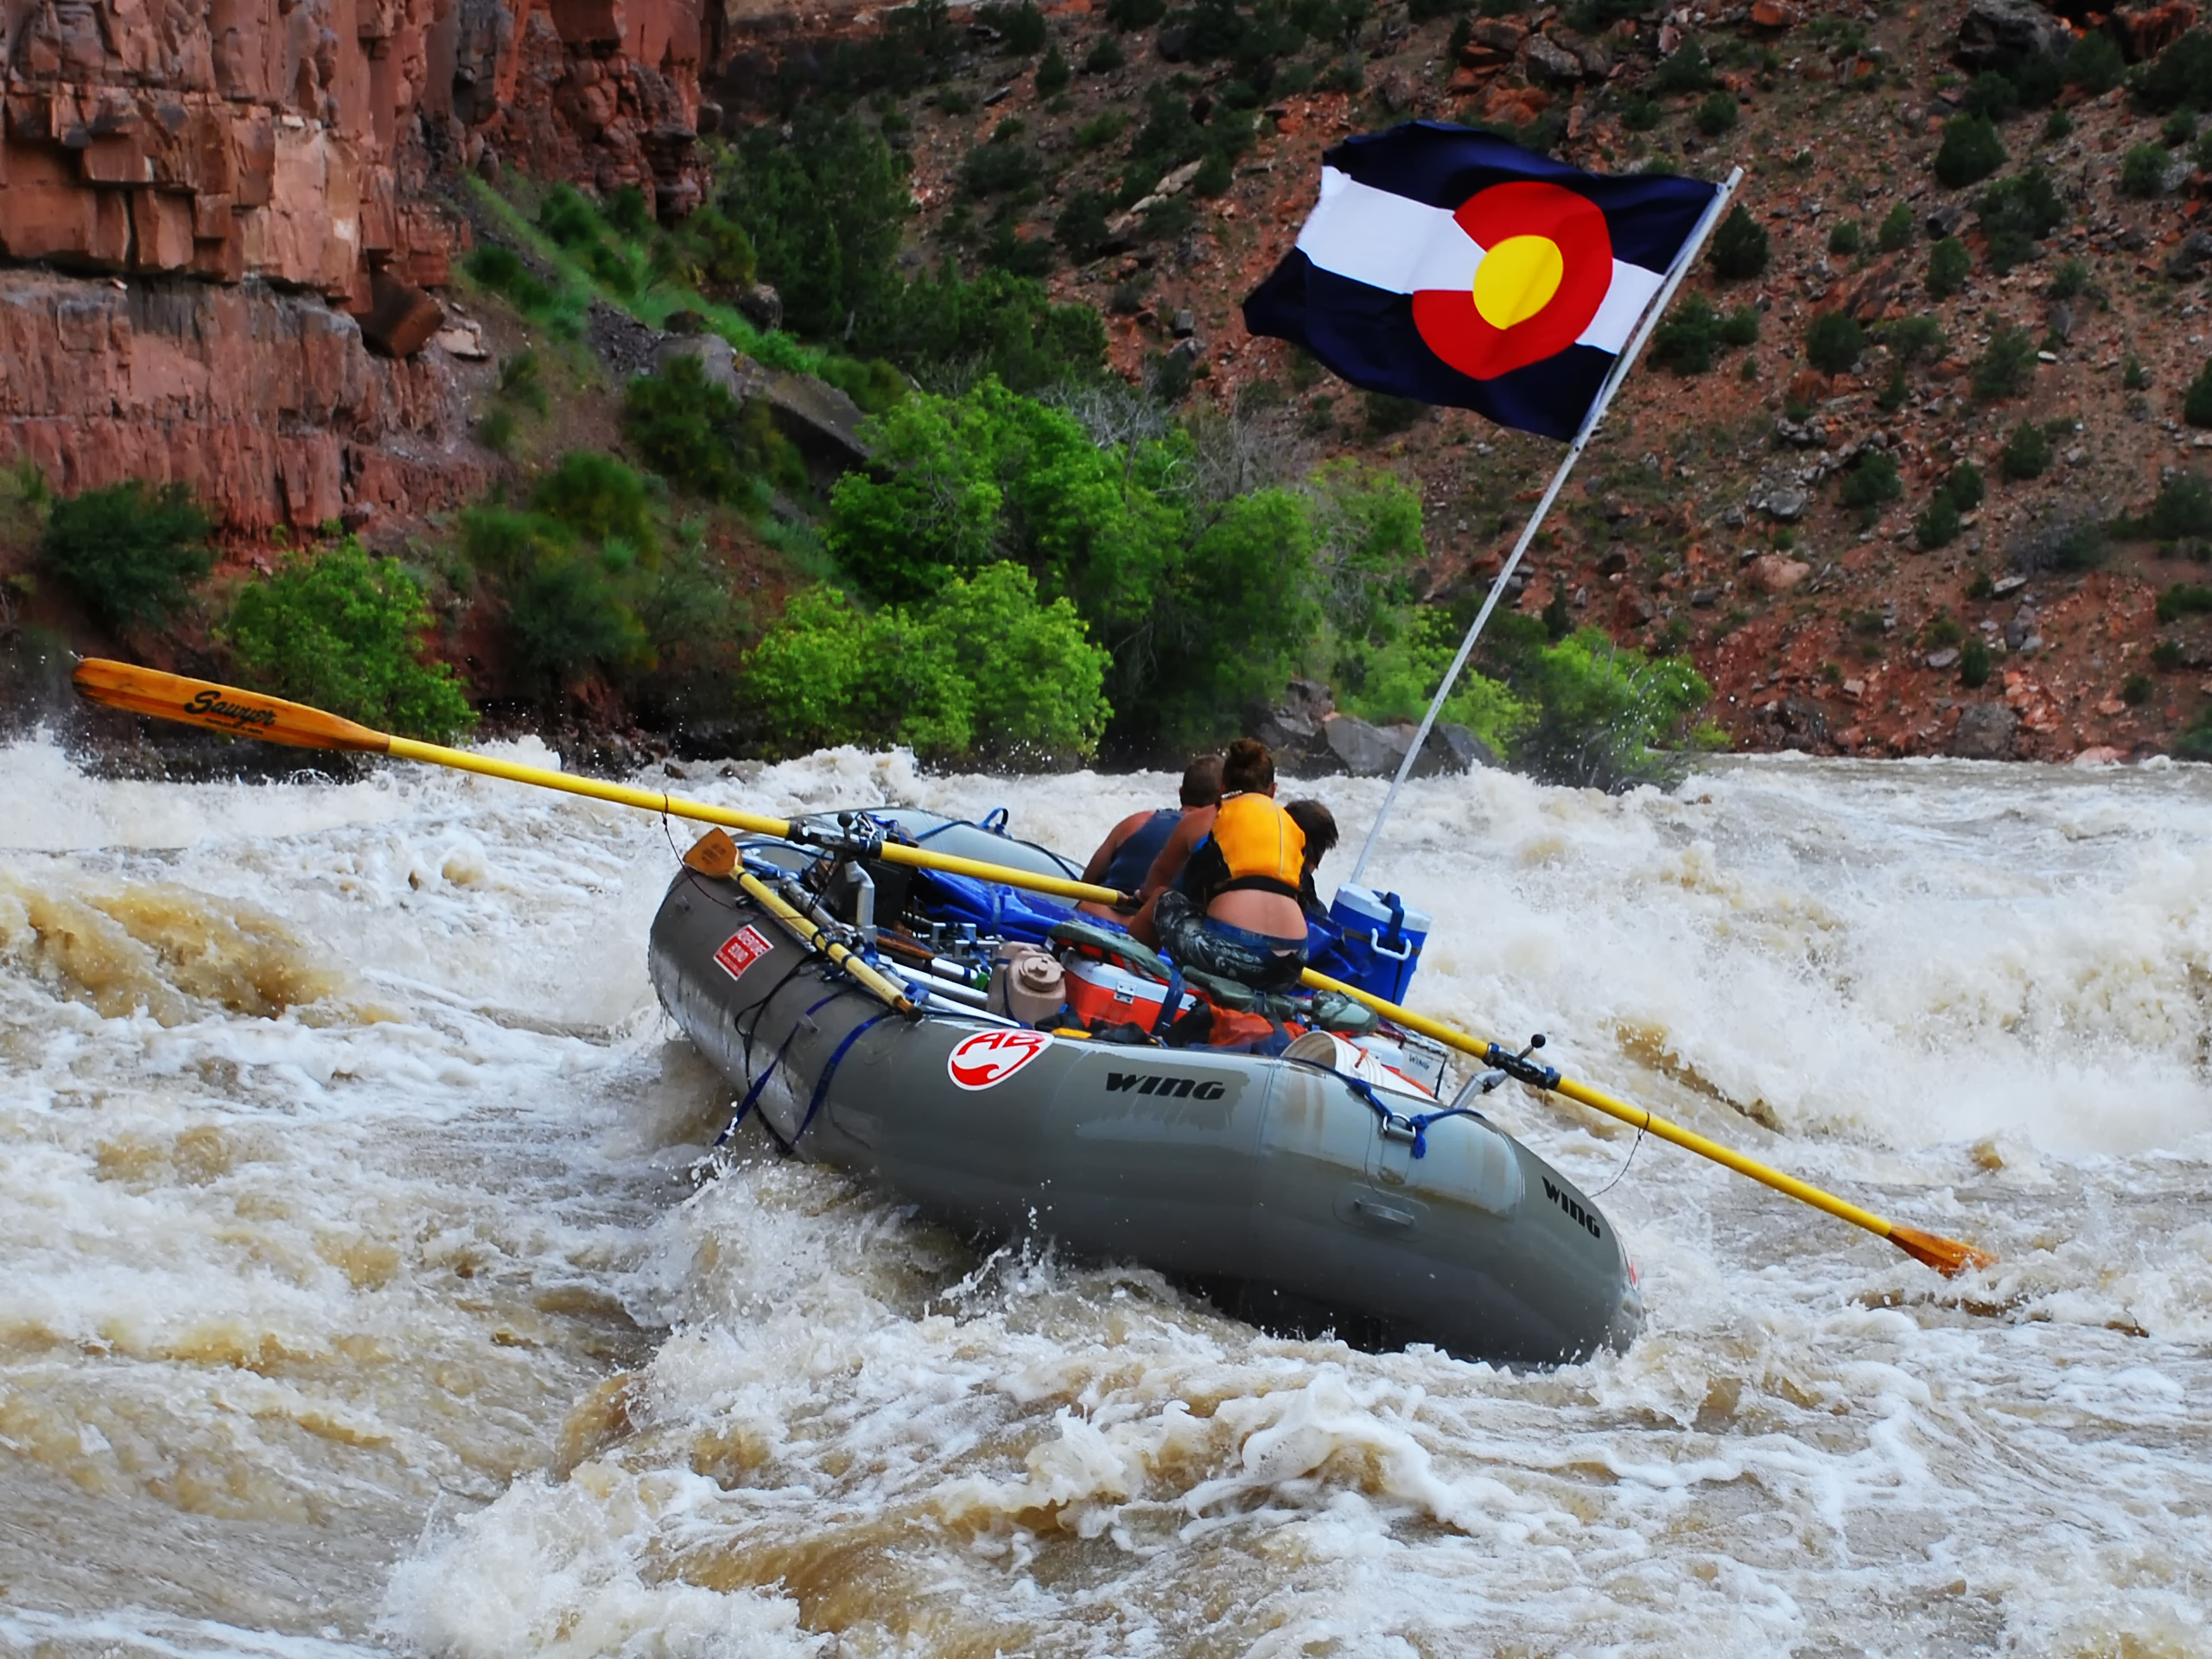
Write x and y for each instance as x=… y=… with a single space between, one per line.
x=769 y=1070
x=1170 y=1004
x=1365 y=1091
x=821 y=1084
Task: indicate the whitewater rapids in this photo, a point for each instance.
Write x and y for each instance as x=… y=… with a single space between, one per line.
x=362 y=1288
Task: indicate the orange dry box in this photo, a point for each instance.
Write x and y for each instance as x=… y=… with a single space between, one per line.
x=1100 y=991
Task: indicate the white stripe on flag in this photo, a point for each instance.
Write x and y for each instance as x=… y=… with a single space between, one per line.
x=1401 y=245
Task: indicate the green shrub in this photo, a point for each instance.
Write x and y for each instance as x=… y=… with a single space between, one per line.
x=1912 y=340
x=2007 y=365
x=1834 y=342
x=981 y=671
x=1081 y=227
x=2079 y=546
x=2194 y=741
x=2179 y=78
x=2143 y=171
x=2069 y=280
x=1896 y=228
x=501 y=270
x=1686 y=71
x=2183 y=508
x=1963 y=489
x=1970 y=152
x=700 y=438
x=2168 y=655
x=1021 y=28
x=1642 y=113
x=1607 y=716
x=1948 y=262
x=1000 y=166
x=1000 y=324
x=1053 y=74
x=1974 y=665
x=1739 y=246
x=2057 y=125
x=567 y=615
x=1942 y=629
x=1739 y=327
x=1871 y=482
x=1104 y=57
x=2197 y=402
x=1684 y=342
x=1387 y=415
x=2094 y=64
x=344 y=631
x=522 y=381
x=1992 y=96
x=710 y=252
x=2133 y=377
x=599 y=497
x=2026 y=453
x=1937 y=524
x=1844 y=239
x=1128 y=15
x=2136 y=690
x=132 y=551
x=1716 y=114
x=2177 y=128
x=2015 y=213
x=2184 y=600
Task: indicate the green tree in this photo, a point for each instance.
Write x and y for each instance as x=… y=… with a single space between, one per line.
x=824 y=211
x=2180 y=78
x=1739 y=246
x=2143 y=171
x=2095 y=65
x=1608 y=715
x=982 y=670
x=2015 y=213
x=1948 y=262
x=695 y=435
x=2007 y=366
x=133 y=552
x=1716 y=114
x=344 y=631
x=2026 y=453
x=2197 y=402
x=1835 y=341
x=1970 y=152
x=1896 y=228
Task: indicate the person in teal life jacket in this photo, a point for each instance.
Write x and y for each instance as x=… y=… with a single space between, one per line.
x=1125 y=856
x=1231 y=900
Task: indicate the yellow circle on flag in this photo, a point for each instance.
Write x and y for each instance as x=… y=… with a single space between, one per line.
x=1516 y=279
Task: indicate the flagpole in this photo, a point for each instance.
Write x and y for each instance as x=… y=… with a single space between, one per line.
x=1622 y=365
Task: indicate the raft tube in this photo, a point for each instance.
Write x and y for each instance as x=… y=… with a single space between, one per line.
x=1267 y=1185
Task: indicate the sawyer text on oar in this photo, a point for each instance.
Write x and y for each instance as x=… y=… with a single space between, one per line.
x=209 y=704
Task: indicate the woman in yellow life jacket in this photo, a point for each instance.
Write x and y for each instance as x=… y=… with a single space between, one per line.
x=1235 y=908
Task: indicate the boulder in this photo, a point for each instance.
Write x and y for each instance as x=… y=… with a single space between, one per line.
x=1772 y=573
x=761 y=306
x=1986 y=731
x=1999 y=34
x=1550 y=63
x=1362 y=750
x=401 y=319
x=1296 y=729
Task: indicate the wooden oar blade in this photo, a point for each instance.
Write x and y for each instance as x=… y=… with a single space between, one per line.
x=1948 y=1256
x=220 y=707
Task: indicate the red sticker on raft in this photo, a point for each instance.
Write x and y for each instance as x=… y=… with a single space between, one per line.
x=744 y=949
x=989 y=1058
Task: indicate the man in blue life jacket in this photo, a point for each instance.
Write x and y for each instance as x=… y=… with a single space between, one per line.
x=1125 y=855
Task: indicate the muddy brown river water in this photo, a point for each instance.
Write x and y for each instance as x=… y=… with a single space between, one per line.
x=359 y=1292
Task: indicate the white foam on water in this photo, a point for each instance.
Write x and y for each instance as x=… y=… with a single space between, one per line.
x=343 y=1217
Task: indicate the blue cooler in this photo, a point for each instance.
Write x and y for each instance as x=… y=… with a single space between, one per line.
x=1373 y=940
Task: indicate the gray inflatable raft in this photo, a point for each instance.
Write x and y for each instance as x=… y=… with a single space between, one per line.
x=1270 y=1185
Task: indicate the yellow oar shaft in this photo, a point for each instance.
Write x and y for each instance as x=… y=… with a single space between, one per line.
x=812 y=937
x=1946 y=1256
x=676 y=806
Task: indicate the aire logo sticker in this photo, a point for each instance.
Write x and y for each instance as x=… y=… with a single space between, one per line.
x=743 y=949
x=989 y=1058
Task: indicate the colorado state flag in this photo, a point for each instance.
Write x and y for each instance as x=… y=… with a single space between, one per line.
x=1452 y=267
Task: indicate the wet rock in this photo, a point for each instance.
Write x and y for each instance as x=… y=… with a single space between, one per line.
x=1185 y=325
x=1465 y=748
x=1362 y=750
x=1999 y=34
x=2060 y=319
x=1296 y=729
x=1986 y=731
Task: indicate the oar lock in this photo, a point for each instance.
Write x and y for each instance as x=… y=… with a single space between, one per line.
x=1520 y=1066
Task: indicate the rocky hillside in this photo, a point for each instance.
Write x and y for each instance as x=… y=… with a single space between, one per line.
x=1707 y=518
x=231 y=228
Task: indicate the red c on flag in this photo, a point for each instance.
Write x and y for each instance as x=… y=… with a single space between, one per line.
x=1547 y=262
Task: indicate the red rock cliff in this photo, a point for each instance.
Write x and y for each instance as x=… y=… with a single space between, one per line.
x=261 y=154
